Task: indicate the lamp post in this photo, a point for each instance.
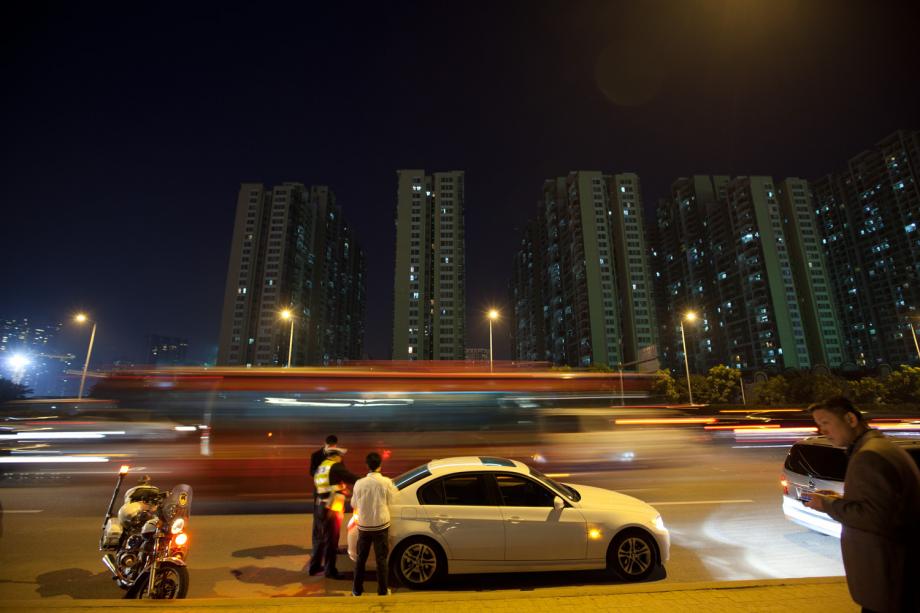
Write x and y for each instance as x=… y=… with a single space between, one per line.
x=493 y=315
x=688 y=316
x=913 y=335
x=286 y=314
x=81 y=318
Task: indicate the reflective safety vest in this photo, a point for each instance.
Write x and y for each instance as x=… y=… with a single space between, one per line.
x=321 y=479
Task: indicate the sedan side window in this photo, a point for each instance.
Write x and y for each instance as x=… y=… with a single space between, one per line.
x=520 y=492
x=459 y=490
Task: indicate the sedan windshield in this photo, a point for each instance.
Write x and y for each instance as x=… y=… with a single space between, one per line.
x=565 y=490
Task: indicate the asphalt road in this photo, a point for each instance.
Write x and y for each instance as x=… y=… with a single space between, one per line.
x=722 y=506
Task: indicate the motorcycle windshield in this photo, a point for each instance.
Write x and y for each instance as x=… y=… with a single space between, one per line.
x=177 y=504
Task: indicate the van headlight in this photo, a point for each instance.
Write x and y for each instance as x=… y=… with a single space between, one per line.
x=659 y=523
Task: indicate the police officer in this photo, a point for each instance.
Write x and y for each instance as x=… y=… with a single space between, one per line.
x=317 y=458
x=331 y=481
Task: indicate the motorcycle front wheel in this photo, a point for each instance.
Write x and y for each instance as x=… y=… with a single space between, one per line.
x=171 y=583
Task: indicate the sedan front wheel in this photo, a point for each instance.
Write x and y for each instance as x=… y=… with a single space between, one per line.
x=632 y=555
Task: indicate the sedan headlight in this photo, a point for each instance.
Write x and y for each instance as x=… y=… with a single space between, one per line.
x=178 y=525
x=659 y=523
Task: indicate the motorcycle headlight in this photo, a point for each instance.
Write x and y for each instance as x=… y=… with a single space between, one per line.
x=178 y=525
x=659 y=523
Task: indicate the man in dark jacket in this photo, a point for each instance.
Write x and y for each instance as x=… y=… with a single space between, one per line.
x=317 y=458
x=331 y=480
x=879 y=510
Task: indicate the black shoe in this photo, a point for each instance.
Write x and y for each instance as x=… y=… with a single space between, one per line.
x=313 y=572
x=335 y=575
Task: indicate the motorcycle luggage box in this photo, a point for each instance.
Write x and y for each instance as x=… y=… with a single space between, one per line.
x=111 y=534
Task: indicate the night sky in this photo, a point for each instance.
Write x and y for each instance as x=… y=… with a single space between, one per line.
x=127 y=129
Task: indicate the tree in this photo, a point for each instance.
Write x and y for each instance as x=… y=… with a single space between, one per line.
x=664 y=386
x=700 y=387
x=12 y=391
x=771 y=391
x=867 y=390
x=805 y=387
x=902 y=386
x=722 y=384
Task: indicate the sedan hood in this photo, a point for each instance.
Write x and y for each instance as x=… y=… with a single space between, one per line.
x=597 y=497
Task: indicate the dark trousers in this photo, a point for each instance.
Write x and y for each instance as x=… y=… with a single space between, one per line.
x=316 y=542
x=331 y=527
x=381 y=542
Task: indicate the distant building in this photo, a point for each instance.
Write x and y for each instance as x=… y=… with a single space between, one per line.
x=581 y=283
x=429 y=287
x=166 y=350
x=292 y=249
x=868 y=216
x=28 y=357
x=477 y=354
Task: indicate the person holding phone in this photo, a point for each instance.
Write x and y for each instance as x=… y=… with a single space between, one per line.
x=878 y=510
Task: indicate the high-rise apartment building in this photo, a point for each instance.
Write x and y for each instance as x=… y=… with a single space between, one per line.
x=292 y=249
x=684 y=274
x=823 y=334
x=758 y=306
x=530 y=316
x=742 y=254
x=581 y=286
x=429 y=287
x=869 y=219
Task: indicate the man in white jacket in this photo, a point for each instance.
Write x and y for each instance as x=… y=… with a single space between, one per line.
x=371 y=499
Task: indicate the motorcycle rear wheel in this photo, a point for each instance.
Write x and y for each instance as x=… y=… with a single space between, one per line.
x=171 y=583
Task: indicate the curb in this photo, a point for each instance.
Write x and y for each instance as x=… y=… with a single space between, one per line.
x=440 y=600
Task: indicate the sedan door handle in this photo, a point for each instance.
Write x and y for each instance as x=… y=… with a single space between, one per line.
x=515 y=519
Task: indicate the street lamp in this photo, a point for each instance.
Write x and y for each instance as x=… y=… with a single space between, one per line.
x=688 y=316
x=81 y=318
x=286 y=314
x=493 y=315
x=913 y=335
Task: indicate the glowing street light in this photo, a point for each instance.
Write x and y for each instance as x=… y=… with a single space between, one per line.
x=18 y=361
x=493 y=315
x=691 y=317
x=286 y=315
x=81 y=318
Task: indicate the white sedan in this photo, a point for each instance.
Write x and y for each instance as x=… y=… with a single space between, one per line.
x=483 y=514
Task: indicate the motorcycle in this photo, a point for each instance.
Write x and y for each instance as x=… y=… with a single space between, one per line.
x=146 y=542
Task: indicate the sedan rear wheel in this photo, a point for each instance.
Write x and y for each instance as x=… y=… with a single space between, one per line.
x=632 y=555
x=419 y=563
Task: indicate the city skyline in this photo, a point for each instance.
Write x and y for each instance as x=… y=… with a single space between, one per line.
x=124 y=156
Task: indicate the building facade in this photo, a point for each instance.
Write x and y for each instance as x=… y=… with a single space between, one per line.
x=292 y=250
x=684 y=273
x=581 y=283
x=869 y=220
x=742 y=254
x=429 y=287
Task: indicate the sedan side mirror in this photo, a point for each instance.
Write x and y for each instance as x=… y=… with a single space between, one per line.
x=558 y=503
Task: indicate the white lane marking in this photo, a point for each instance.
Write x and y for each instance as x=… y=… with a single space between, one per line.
x=678 y=502
x=21 y=511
